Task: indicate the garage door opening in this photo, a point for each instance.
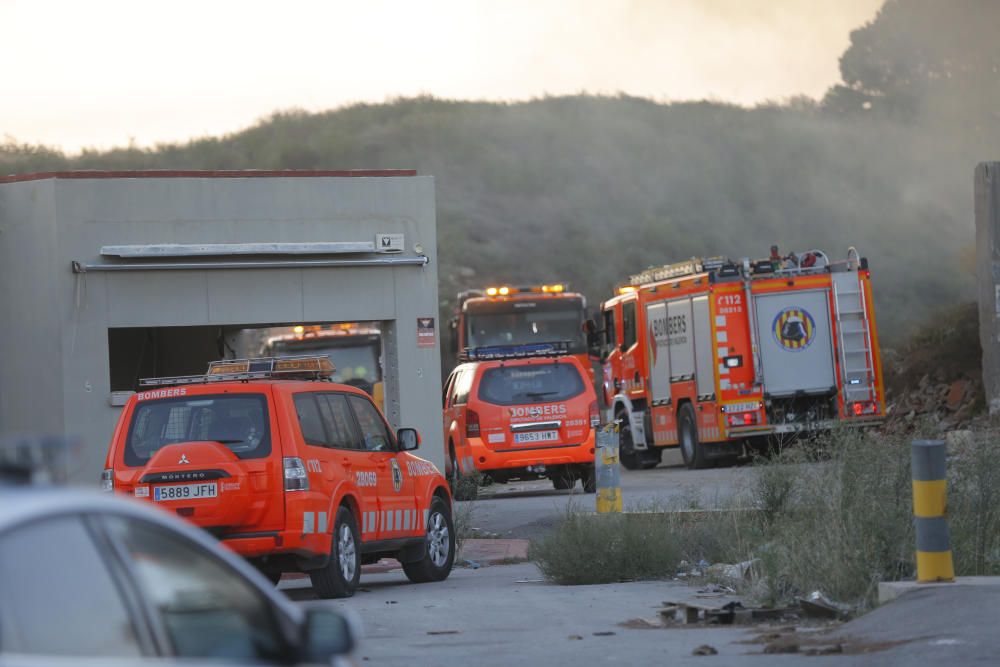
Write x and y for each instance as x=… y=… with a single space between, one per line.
x=355 y=348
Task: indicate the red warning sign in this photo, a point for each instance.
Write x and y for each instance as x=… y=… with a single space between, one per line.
x=425 y=332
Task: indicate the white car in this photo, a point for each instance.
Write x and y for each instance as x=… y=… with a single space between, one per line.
x=91 y=578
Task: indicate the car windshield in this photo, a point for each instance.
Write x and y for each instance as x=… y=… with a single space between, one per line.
x=537 y=383
x=238 y=421
x=527 y=326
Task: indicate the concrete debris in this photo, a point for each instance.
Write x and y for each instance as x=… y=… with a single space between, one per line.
x=950 y=403
x=818 y=605
x=705 y=649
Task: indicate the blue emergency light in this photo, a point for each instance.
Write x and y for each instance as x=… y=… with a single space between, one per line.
x=492 y=352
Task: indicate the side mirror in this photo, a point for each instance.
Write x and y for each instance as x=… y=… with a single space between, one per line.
x=408 y=439
x=325 y=634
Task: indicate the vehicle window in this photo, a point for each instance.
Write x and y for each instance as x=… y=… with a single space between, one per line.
x=628 y=324
x=447 y=390
x=537 y=383
x=207 y=609
x=542 y=321
x=238 y=421
x=374 y=433
x=337 y=419
x=310 y=422
x=463 y=384
x=610 y=335
x=57 y=596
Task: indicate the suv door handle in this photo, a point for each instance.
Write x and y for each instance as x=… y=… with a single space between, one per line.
x=346 y=462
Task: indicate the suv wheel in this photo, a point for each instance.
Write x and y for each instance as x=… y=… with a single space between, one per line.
x=563 y=480
x=439 y=554
x=339 y=579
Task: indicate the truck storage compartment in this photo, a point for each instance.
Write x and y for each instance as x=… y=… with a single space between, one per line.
x=795 y=341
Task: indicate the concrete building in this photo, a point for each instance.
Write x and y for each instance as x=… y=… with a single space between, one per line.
x=987 y=201
x=107 y=277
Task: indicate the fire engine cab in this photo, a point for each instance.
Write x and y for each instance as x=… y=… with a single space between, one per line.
x=714 y=355
x=295 y=473
x=512 y=315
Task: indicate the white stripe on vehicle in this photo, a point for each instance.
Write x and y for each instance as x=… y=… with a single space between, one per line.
x=720 y=320
x=426 y=512
x=321 y=522
x=307 y=522
x=406 y=520
x=721 y=337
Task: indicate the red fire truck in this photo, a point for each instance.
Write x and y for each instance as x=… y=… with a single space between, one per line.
x=715 y=356
x=508 y=315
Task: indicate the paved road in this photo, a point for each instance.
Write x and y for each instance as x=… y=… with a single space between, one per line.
x=529 y=509
x=504 y=615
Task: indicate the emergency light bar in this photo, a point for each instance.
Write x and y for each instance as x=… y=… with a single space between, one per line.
x=318 y=367
x=507 y=290
x=492 y=352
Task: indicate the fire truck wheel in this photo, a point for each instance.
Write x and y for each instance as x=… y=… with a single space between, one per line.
x=631 y=459
x=339 y=579
x=691 y=449
x=651 y=458
x=440 y=555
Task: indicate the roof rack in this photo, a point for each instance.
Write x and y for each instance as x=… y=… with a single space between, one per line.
x=523 y=351
x=304 y=367
x=810 y=261
x=678 y=269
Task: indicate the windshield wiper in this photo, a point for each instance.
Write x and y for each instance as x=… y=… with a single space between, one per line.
x=539 y=394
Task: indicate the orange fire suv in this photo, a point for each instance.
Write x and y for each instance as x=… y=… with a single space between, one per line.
x=521 y=412
x=294 y=473
x=715 y=355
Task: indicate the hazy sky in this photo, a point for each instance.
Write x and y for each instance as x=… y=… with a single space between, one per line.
x=101 y=72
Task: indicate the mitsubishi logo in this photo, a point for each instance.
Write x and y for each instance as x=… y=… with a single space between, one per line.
x=184 y=459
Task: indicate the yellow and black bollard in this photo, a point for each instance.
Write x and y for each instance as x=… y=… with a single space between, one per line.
x=930 y=509
x=607 y=471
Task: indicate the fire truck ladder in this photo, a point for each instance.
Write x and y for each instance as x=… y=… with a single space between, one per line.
x=854 y=334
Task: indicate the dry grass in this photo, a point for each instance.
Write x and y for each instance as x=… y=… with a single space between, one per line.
x=834 y=515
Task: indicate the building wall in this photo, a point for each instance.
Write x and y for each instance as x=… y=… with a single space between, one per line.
x=987 y=200
x=64 y=220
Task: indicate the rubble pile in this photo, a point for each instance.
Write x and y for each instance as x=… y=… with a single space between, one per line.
x=953 y=404
x=936 y=375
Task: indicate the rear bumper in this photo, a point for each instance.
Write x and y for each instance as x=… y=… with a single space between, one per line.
x=484 y=459
x=804 y=427
x=268 y=543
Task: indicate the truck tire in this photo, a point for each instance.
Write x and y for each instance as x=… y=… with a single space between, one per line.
x=340 y=577
x=692 y=450
x=589 y=480
x=627 y=454
x=652 y=457
x=439 y=554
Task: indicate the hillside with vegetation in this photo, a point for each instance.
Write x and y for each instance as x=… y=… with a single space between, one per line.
x=587 y=189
